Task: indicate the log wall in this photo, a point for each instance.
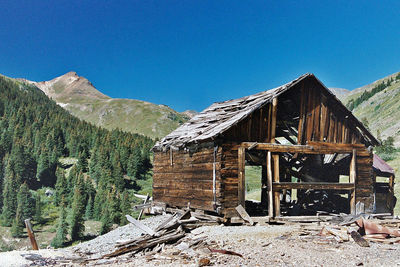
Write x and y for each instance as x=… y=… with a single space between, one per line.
x=188 y=179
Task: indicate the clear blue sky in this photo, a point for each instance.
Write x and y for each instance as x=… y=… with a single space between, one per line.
x=188 y=54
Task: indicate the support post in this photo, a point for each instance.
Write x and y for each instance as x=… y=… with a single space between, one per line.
x=241 y=182
x=264 y=188
x=391 y=193
x=31 y=234
x=269 y=183
x=273 y=119
x=277 y=197
x=353 y=177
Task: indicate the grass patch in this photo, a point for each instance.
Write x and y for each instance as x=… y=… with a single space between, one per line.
x=253 y=182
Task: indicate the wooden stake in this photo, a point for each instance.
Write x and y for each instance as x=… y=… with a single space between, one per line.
x=242 y=178
x=277 y=199
x=31 y=234
x=269 y=183
x=352 y=177
x=144 y=202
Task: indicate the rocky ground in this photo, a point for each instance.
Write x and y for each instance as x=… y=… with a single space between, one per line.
x=289 y=244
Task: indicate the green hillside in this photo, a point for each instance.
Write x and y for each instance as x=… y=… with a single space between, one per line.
x=77 y=95
x=378 y=104
x=93 y=172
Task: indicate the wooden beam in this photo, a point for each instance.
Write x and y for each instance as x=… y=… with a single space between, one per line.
x=273 y=119
x=269 y=183
x=352 y=178
x=31 y=234
x=315 y=148
x=242 y=178
x=277 y=200
x=325 y=186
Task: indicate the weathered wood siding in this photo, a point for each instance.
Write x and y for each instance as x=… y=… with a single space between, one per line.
x=323 y=119
x=365 y=181
x=188 y=179
x=254 y=128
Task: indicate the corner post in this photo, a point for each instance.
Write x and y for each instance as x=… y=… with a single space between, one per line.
x=269 y=184
x=241 y=181
x=352 y=178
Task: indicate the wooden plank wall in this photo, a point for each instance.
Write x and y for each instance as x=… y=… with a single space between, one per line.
x=365 y=181
x=254 y=128
x=188 y=179
x=321 y=119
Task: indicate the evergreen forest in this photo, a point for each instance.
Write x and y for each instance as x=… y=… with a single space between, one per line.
x=91 y=171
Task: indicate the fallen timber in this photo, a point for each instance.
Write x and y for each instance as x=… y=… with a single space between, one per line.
x=169 y=231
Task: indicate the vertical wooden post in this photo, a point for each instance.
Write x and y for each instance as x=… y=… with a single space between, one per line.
x=353 y=177
x=273 y=120
x=391 y=193
x=144 y=202
x=31 y=234
x=242 y=178
x=302 y=116
x=277 y=197
x=264 y=187
x=269 y=183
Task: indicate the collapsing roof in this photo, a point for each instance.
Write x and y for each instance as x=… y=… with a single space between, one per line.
x=221 y=116
x=381 y=167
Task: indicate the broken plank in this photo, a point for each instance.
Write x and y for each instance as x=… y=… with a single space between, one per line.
x=140 y=225
x=245 y=216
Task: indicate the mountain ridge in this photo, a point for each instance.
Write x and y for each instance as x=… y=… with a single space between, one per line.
x=82 y=99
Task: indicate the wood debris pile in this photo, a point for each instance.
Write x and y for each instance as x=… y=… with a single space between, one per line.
x=362 y=229
x=171 y=231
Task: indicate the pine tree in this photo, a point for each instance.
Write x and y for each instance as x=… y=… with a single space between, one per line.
x=125 y=208
x=61 y=186
x=16 y=229
x=61 y=234
x=38 y=209
x=78 y=210
x=89 y=208
x=106 y=220
x=25 y=203
x=24 y=210
x=10 y=191
x=99 y=203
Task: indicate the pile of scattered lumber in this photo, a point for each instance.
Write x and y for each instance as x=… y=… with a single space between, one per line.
x=362 y=228
x=170 y=231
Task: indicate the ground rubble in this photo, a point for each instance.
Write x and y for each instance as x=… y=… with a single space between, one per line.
x=195 y=239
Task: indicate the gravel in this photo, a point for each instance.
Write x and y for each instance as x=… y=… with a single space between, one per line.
x=105 y=244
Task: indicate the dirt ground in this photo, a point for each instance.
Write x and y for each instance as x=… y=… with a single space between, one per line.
x=291 y=244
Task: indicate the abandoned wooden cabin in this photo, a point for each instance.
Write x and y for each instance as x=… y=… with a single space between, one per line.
x=312 y=152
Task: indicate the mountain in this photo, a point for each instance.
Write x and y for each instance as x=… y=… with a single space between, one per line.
x=378 y=104
x=79 y=96
x=339 y=92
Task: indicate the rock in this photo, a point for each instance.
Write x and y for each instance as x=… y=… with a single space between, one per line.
x=203 y=262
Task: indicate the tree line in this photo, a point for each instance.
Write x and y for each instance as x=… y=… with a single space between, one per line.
x=34 y=134
x=353 y=103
